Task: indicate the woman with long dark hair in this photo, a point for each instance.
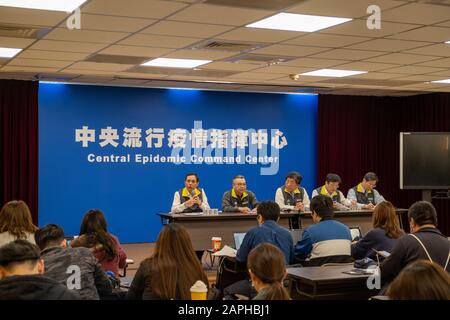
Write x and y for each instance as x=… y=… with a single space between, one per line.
x=386 y=230
x=105 y=246
x=267 y=269
x=172 y=269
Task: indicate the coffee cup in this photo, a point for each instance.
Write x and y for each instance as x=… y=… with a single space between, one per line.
x=199 y=291
x=216 y=243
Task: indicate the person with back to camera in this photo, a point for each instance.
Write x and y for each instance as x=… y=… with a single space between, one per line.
x=420 y=280
x=105 y=246
x=386 y=230
x=171 y=270
x=267 y=271
x=424 y=242
x=16 y=223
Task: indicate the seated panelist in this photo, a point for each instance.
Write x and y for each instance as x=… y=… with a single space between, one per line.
x=291 y=196
x=191 y=198
x=365 y=194
x=330 y=189
x=239 y=199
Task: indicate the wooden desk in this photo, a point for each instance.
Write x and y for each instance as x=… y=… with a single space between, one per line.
x=327 y=282
x=202 y=228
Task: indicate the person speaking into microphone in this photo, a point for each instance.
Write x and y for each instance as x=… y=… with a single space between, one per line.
x=191 y=198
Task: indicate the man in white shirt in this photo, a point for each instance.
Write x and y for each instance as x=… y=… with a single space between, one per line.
x=330 y=189
x=365 y=194
x=291 y=196
x=191 y=198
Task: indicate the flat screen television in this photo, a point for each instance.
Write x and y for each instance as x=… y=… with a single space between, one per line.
x=424 y=160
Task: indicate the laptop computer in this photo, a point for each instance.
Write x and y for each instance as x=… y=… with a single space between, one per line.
x=355 y=232
x=238 y=238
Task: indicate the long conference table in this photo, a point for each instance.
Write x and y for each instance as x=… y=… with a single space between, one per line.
x=202 y=227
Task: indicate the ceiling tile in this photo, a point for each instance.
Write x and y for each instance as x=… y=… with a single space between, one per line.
x=258 y=35
x=186 y=29
x=418 y=13
x=441 y=74
x=55 y=45
x=111 y=23
x=158 y=41
x=442 y=50
x=256 y=76
x=204 y=13
x=359 y=28
x=414 y=70
x=289 y=50
x=401 y=58
x=347 y=54
x=430 y=34
x=85 y=35
x=39 y=63
x=388 y=45
x=27 y=69
x=52 y=55
x=135 y=51
x=200 y=54
x=9 y=42
x=101 y=66
x=134 y=8
x=31 y=17
x=440 y=63
x=282 y=69
x=230 y=66
x=424 y=78
x=325 y=40
x=313 y=62
x=377 y=75
x=366 y=66
x=341 y=8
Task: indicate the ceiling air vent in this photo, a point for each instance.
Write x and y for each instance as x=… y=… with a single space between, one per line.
x=22 y=32
x=232 y=46
x=259 y=59
x=110 y=58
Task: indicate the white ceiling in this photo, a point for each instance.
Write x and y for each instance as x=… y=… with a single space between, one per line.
x=116 y=36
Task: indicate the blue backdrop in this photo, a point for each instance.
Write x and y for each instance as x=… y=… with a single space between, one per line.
x=73 y=123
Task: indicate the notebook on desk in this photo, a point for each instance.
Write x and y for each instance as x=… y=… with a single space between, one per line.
x=238 y=238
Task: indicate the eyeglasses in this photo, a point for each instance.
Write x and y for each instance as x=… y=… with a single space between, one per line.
x=191 y=181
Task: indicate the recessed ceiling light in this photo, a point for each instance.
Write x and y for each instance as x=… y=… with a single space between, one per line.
x=8 y=52
x=175 y=63
x=332 y=73
x=441 y=81
x=53 y=5
x=297 y=22
x=448 y=42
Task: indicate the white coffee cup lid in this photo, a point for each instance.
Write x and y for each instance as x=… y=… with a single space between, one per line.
x=216 y=238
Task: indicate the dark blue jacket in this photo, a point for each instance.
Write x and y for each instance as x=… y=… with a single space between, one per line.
x=270 y=232
x=374 y=239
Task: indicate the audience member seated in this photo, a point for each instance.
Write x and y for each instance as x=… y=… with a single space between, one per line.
x=386 y=230
x=425 y=242
x=420 y=280
x=365 y=194
x=268 y=230
x=327 y=240
x=172 y=269
x=16 y=223
x=76 y=268
x=21 y=276
x=330 y=189
x=105 y=246
x=267 y=271
x=239 y=199
x=292 y=196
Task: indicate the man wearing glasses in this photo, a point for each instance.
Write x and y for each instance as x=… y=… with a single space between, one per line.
x=239 y=199
x=191 y=198
x=365 y=194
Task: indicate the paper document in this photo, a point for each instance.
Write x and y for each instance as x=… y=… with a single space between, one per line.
x=226 y=251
